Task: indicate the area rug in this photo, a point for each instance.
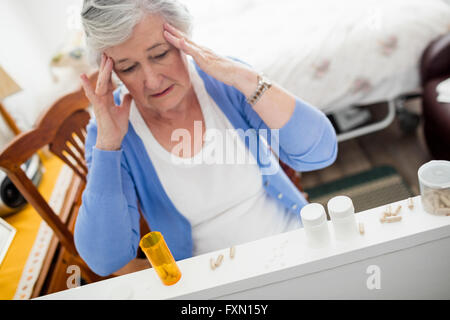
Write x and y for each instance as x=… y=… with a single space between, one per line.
x=368 y=189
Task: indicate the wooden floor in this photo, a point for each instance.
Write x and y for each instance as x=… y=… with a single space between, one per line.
x=390 y=146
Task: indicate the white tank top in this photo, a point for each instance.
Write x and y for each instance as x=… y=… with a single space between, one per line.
x=225 y=201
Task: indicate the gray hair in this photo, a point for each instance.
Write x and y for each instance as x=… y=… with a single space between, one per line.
x=110 y=22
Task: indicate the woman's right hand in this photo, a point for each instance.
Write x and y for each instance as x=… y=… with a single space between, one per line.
x=112 y=120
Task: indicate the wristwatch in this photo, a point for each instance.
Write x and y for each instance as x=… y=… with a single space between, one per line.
x=263 y=85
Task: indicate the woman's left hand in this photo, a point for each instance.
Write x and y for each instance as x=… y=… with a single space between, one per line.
x=223 y=69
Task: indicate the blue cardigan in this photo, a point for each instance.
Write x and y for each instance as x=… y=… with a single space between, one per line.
x=107 y=227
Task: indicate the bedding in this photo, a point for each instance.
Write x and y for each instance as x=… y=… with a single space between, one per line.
x=333 y=54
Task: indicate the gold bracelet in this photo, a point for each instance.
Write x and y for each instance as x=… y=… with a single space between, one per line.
x=263 y=85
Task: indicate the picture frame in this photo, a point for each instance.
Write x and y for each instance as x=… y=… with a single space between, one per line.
x=7 y=233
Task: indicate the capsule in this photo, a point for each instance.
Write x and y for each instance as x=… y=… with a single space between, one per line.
x=232 y=252
x=219 y=260
x=410 y=203
x=361 y=228
x=391 y=219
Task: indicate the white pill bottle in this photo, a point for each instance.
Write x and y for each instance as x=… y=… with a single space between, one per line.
x=315 y=225
x=342 y=214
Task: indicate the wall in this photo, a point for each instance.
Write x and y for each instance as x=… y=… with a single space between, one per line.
x=31 y=32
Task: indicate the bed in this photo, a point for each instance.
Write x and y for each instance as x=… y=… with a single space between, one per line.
x=334 y=54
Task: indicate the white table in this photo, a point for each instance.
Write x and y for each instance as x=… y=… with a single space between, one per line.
x=409 y=259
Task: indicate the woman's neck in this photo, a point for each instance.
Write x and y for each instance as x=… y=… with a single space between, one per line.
x=162 y=126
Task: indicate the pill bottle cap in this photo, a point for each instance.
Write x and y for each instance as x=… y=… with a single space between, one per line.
x=435 y=174
x=340 y=207
x=313 y=214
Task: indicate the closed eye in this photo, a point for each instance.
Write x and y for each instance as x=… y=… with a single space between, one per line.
x=161 y=55
x=128 y=69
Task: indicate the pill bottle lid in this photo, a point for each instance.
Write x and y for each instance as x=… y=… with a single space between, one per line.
x=340 y=207
x=313 y=214
x=435 y=174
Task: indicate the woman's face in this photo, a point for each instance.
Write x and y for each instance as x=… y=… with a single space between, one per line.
x=154 y=71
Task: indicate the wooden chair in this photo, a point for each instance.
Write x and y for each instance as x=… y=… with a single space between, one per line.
x=62 y=130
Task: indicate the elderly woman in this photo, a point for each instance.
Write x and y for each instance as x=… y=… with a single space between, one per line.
x=171 y=88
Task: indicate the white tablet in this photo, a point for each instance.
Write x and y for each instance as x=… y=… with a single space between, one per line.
x=7 y=233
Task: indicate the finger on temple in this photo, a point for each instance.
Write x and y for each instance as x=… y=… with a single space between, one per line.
x=102 y=64
x=171 y=38
x=189 y=48
x=178 y=33
x=104 y=78
x=176 y=42
x=174 y=30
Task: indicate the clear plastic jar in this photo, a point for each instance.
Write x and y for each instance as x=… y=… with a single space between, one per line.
x=434 y=181
x=342 y=214
x=315 y=225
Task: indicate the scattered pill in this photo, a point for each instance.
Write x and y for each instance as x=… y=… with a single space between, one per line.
x=219 y=260
x=232 y=252
x=397 y=211
x=410 y=203
x=213 y=265
x=391 y=219
x=361 y=228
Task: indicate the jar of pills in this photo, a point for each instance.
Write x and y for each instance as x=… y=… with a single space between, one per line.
x=342 y=214
x=434 y=181
x=315 y=225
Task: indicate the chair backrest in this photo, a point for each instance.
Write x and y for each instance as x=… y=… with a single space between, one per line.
x=62 y=129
